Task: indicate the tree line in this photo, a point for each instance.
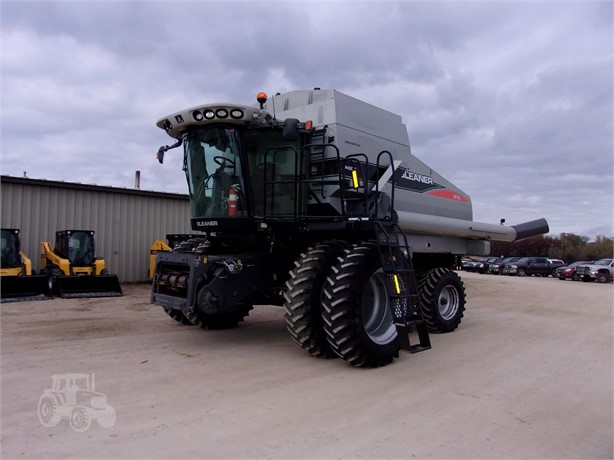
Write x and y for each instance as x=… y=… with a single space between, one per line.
x=567 y=247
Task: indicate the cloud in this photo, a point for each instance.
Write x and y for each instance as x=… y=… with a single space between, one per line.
x=511 y=101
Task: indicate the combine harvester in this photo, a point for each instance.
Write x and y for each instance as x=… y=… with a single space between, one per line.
x=312 y=200
x=72 y=268
x=18 y=283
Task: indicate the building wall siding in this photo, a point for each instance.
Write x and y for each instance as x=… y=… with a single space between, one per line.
x=126 y=221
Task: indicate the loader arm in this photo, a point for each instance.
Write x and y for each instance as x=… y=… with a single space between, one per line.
x=48 y=257
x=99 y=266
x=26 y=264
x=157 y=246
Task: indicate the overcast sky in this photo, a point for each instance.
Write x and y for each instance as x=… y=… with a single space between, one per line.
x=510 y=101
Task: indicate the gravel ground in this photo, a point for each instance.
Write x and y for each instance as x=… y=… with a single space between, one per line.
x=527 y=374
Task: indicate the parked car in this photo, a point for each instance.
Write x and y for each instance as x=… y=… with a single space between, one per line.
x=554 y=264
x=601 y=271
x=528 y=266
x=488 y=261
x=569 y=271
x=471 y=265
x=497 y=267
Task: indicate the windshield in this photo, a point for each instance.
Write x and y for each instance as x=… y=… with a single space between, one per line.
x=10 y=250
x=213 y=170
x=81 y=249
x=604 y=262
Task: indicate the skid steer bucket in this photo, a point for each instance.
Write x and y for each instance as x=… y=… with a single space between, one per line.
x=87 y=286
x=24 y=288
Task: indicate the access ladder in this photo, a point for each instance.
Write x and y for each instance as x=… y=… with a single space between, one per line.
x=402 y=286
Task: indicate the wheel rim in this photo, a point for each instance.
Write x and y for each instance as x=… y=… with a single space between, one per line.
x=47 y=410
x=448 y=302
x=376 y=315
x=79 y=420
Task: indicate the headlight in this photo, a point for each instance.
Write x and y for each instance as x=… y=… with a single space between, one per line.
x=198 y=115
x=236 y=114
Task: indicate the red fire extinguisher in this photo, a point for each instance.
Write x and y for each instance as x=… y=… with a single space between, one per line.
x=233 y=201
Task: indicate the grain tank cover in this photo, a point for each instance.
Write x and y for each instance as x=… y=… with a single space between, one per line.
x=357 y=127
x=331 y=107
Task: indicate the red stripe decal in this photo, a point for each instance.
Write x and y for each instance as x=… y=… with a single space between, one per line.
x=449 y=195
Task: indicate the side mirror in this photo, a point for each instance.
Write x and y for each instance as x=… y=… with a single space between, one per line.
x=160 y=154
x=290 y=131
x=164 y=148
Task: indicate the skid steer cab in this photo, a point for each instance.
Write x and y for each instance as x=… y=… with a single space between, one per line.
x=18 y=283
x=72 y=268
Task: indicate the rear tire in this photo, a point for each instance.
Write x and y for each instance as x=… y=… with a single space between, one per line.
x=356 y=312
x=442 y=298
x=303 y=304
x=48 y=413
x=219 y=320
x=603 y=277
x=52 y=273
x=178 y=316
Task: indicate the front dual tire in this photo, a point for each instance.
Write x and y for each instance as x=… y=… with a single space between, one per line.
x=303 y=316
x=355 y=310
x=356 y=313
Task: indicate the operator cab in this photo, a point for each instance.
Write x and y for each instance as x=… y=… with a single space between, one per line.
x=241 y=165
x=77 y=246
x=10 y=249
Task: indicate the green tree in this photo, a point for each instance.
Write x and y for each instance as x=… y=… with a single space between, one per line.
x=567 y=246
x=601 y=248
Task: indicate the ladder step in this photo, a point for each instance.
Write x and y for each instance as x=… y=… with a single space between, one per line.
x=418 y=327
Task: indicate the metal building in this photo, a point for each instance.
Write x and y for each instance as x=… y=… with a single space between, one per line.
x=126 y=221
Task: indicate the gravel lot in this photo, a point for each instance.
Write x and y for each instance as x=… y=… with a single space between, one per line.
x=527 y=374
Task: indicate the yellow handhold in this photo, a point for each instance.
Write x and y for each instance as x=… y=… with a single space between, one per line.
x=355 y=178
x=396 y=284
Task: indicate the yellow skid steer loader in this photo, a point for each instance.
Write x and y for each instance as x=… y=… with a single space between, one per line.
x=72 y=268
x=18 y=283
x=172 y=241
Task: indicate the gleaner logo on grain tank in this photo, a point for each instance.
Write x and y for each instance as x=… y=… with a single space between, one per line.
x=422 y=183
x=409 y=180
x=407 y=174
